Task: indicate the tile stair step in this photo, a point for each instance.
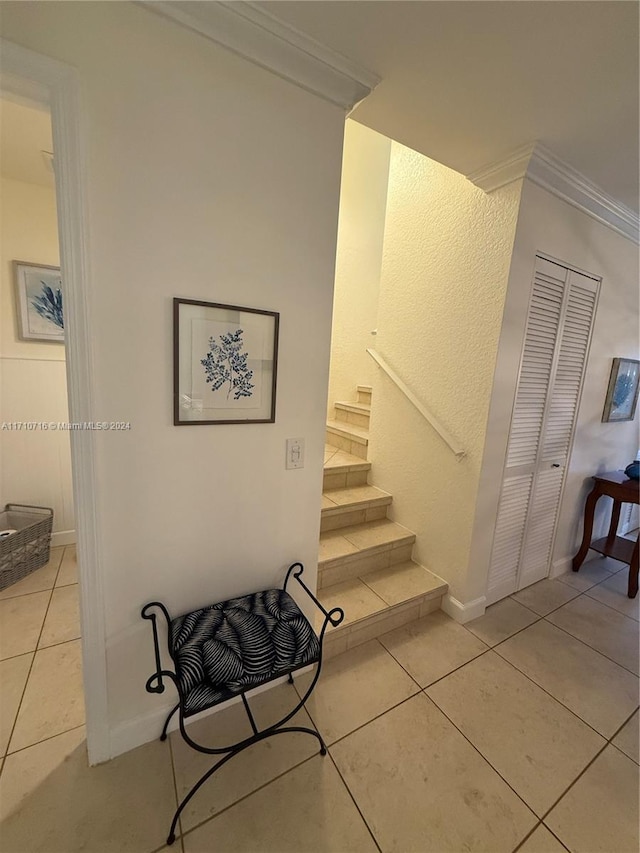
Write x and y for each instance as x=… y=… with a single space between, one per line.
x=368 y=538
x=359 y=435
x=351 y=551
x=347 y=479
x=341 y=461
x=354 y=414
x=364 y=393
x=351 y=438
x=342 y=470
x=379 y=601
x=345 y=507
x=339 y=501
x=355 y=408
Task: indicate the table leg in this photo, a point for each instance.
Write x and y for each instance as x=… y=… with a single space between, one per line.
x=589 y=510
x=613 y=524
x=632 y=590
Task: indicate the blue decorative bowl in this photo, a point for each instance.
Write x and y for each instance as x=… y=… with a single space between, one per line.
x=633 y=471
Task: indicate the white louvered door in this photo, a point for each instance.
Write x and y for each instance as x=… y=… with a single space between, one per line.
x=559 y=323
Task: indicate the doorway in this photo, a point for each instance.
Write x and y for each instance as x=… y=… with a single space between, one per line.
x=39 y=601
x=54 y=86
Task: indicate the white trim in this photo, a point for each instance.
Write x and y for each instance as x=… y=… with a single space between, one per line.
x=543 y=168
x=145 y=727
x=63 y=537
x=502 y=172
x=28 y=358
x=444 y=434
x=564 y=564
x=560 y=567
x=463 y=613
x=251 y=32
x=50 y=82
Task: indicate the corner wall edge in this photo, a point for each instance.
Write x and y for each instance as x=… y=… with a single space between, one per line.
x=463 y=613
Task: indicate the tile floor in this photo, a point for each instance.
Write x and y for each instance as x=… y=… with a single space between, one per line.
x=518 y=731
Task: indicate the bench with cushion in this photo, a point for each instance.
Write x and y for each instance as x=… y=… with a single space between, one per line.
x=231 y=647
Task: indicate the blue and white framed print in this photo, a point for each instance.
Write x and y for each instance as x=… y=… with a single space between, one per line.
x=622 y=393
x=224 y=363
x=39 y=302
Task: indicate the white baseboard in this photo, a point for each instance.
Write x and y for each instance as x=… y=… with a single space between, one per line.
x=147 y=727
x=134 y=733
x=63 y=537
x=463 y=612
x=563 y=565
x=560 y=567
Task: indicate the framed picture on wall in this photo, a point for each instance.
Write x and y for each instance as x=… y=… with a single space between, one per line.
x=622 y=393
x=39 y=302
x=224 y=364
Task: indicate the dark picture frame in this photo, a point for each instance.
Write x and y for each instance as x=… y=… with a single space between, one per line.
x=225 y=360
x=622 y=393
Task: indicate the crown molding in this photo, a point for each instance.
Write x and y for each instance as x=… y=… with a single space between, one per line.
x=543 y=168
x=551 y=173
x=263 y=39
x=502 y=172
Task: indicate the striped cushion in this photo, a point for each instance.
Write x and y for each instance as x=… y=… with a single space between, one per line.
x=227 y=648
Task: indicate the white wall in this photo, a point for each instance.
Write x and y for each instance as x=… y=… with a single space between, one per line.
x=447 y=249
x=363 y=198
x=550 y=225
x=36 y=465
x=212 y=179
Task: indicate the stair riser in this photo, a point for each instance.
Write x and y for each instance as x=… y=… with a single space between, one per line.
x=364 y=397
x=344 y=480
x=347 y=568
x=342 y=443
x=347 y=516
x=354 y=418
x=341 y=639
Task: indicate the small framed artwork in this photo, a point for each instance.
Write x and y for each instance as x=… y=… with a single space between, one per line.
x=39 y=302
x=224 y=364
x=622 y=394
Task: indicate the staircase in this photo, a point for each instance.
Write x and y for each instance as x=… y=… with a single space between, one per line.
x=365 y=563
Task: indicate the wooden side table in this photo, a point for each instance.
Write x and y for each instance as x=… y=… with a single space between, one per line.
x=618 y=486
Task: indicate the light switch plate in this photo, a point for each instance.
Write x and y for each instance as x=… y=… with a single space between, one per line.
x=295 y=453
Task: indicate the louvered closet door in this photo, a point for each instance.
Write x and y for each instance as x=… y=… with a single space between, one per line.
x=558 y=332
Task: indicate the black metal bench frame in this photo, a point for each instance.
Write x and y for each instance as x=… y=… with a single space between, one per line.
x=155 y=684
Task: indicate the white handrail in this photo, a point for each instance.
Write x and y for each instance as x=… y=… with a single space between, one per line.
x=442 y=432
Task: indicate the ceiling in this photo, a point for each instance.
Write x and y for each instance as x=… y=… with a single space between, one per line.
x=25 y=132
x=467 y=83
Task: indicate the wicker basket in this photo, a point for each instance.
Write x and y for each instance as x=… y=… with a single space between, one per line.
x=28 y=548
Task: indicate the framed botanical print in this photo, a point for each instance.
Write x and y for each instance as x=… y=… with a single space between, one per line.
x=224 y=363
x=39 y=302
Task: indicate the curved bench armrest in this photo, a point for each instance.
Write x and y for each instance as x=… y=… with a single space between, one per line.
x=334 y=616
x=154 y=683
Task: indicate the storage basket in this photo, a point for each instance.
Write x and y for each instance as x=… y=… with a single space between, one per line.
x=28 y=548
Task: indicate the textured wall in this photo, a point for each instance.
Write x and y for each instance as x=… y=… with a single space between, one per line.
x=445 y=266
x=363 y=198
x=207 y=178
x=36 y=465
